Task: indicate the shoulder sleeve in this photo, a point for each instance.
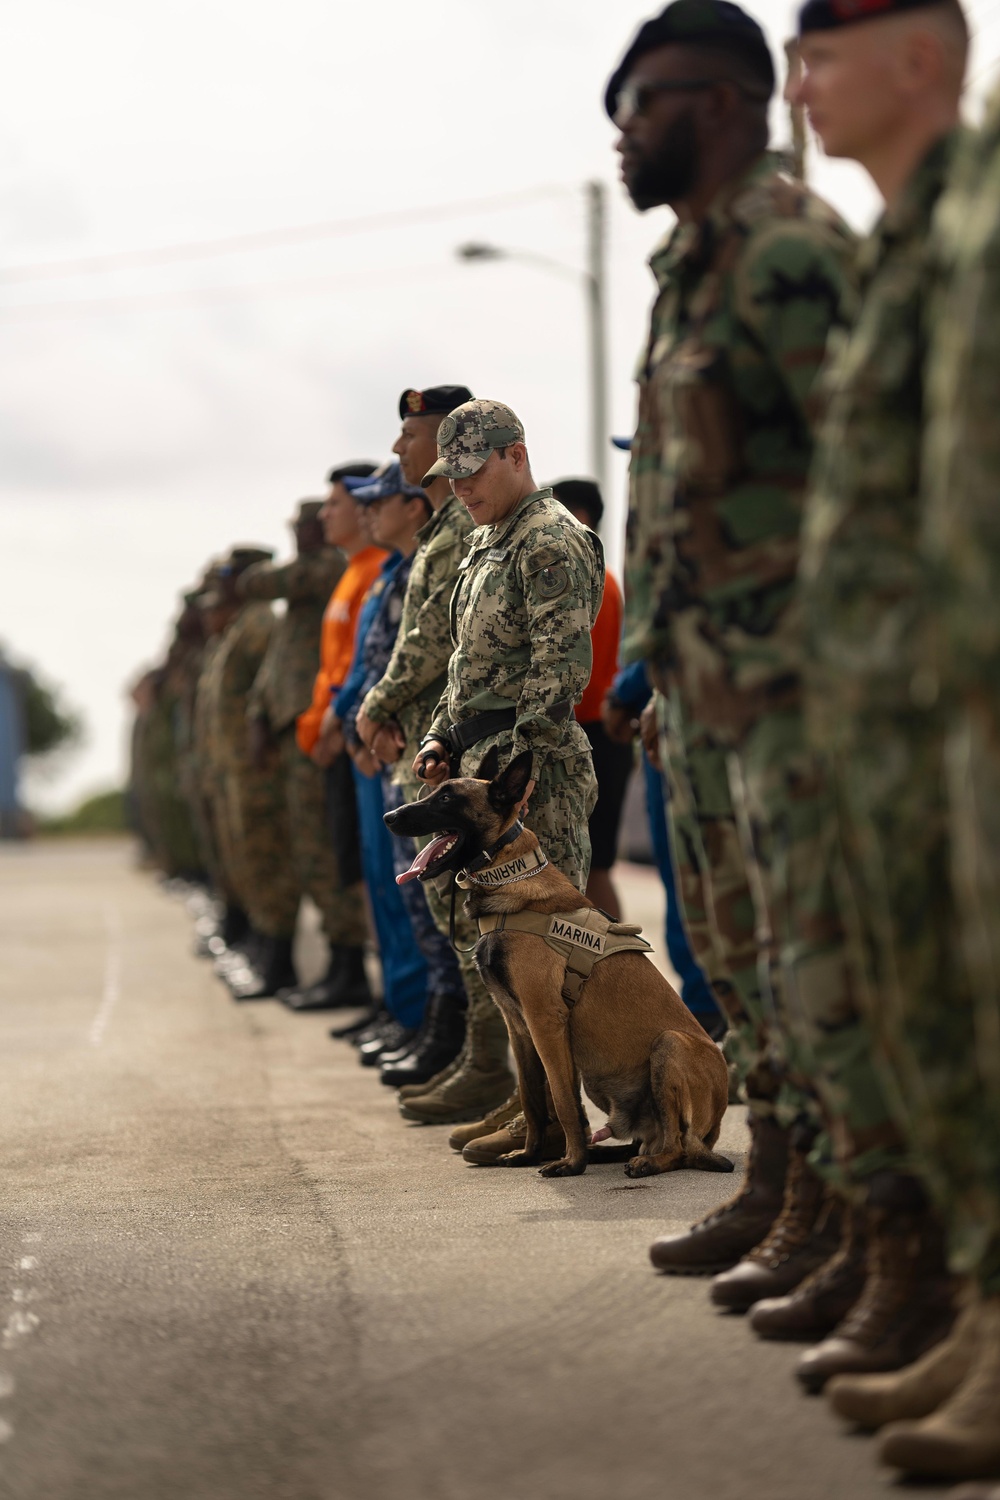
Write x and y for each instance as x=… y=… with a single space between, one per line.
x=792 y=286
x=562 y=579
x=423 y=648
x=264 y=581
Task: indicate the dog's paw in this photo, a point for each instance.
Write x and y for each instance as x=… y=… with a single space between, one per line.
x=564 y=1168
x=641 y=1166
x=517 y=1159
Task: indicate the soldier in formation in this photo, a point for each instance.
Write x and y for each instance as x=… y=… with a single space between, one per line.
x=810 y=591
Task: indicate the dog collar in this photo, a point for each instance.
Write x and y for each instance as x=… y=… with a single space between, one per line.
x=488 y=855
x=505 y=874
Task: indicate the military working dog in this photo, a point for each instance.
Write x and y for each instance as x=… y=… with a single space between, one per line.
x=642 y=1057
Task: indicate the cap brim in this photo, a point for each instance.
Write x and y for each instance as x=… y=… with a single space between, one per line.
x=455 y=468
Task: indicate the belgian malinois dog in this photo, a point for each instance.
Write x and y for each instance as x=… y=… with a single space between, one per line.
x=642 y=1057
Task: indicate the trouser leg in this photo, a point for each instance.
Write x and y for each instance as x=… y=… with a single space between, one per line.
x=404 y=971
x=786 y=799
x=314 y=862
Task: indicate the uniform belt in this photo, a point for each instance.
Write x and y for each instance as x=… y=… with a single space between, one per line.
x=469 y=732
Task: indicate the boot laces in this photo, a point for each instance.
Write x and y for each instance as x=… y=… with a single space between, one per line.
x=794 y=1226
x=893 y=1277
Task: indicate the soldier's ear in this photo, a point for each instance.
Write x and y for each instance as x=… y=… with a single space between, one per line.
x=509 y=788
x=490 y=764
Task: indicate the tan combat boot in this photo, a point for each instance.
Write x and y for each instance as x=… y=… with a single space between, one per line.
x=507 y=1111
x=825 y=1298
x=482 y=1081
x=802 y=1238
x=414 y=1090
x=728 y=1233
x=908 y=1302
x=961 y=1440
x=487 y=1150
x=872 y=1401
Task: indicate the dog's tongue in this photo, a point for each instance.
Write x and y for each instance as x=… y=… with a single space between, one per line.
x=425 y=857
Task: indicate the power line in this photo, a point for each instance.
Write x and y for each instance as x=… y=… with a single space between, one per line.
x=266 y=239
x=297 y=286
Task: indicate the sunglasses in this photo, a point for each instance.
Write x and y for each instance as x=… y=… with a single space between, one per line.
x=635 y=98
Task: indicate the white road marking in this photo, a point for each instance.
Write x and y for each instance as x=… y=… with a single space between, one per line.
x=112 y=977
x=28 y=1263
x=6 y=1431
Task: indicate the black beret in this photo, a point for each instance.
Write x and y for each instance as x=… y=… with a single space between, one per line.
x=437 y=400
x=697 y=23
x=828 y=15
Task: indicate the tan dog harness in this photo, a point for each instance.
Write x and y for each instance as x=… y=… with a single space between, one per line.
x=583 y=937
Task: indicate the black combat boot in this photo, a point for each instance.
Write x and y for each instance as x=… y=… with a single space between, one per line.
x=272 y=970
x=437 y=1043
x=345 y=984
x=389 y=1037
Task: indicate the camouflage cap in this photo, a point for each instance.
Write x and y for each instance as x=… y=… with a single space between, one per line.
x=469 y=434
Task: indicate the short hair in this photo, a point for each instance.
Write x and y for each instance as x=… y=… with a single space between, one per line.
x=581 y=494
x=350 y=471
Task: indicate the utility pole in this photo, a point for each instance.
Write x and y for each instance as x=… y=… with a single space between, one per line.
x=594 y=283
x=796 y=112
x=596 y=304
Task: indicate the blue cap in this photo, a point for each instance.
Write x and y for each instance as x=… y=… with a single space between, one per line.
x=624 y=443
x=381 y=486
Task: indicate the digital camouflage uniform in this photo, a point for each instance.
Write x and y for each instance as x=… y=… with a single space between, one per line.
x=863 y=598
x=528 y=594
x=719 y=464
x=946 y=1046
x=413 y=681
x=281 y=691
x=248 y=805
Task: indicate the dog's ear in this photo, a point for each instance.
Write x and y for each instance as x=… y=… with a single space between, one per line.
x=508 y=789
x=490 y=764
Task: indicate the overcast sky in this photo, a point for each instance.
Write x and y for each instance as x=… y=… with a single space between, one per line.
x=151 y=415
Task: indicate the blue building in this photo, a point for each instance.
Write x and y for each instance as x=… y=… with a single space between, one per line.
x=12 y=822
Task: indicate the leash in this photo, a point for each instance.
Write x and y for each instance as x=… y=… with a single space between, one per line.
x=451 y=920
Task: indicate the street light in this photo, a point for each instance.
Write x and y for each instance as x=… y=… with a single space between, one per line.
x=593 y=282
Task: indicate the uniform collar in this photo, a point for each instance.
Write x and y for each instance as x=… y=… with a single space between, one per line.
x=440 y=517
x=488 y=536
x=690 y=245
x=911 y=213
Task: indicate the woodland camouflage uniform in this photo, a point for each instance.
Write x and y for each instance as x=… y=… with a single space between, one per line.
x=863 y=599
x=946 y=1008
x=746 y=300
x=282 y=689
x=249 y=811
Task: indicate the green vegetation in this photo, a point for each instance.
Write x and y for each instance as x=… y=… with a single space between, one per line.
x=48 y=723
x=103 y=813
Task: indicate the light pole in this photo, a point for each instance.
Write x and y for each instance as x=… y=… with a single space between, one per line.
x=593 y=282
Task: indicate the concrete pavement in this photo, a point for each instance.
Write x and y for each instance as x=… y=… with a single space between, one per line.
x=229 y=1271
